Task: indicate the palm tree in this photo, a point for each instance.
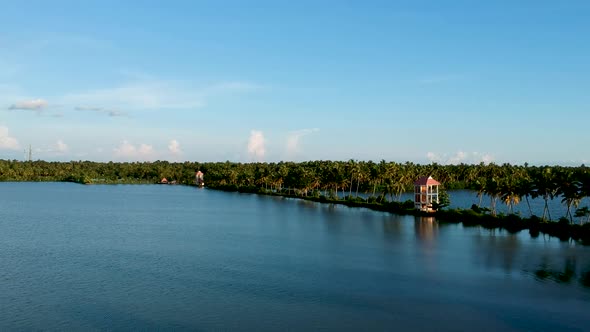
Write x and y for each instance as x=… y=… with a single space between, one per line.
x=570 y=189
x=493 y=190
x=480 y=184
x=524 y=188
x=545 y=187
x=361 y=175
x=509 y=194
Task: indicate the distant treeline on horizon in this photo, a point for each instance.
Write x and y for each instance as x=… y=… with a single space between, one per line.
x=508 y=183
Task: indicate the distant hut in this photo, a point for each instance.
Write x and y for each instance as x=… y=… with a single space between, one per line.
x=164 y=181
x=425 y=193
x=199 y=180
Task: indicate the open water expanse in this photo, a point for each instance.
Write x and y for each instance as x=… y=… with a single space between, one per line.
x=156 y=257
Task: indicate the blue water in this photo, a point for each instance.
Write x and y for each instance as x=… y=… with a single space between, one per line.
x=135 y=257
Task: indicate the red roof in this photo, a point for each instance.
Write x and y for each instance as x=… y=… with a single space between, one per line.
x=426 y=181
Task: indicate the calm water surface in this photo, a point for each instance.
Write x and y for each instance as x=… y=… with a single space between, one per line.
x=76 y=257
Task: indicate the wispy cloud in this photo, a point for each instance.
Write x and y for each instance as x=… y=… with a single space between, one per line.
x=294 y=137
x=29 y=105
x=136 y=96
x=460 y=157
x=229 y=87
x=101 y=110
x=7 y=142
x=152 y=94
x=59 y=148
x=256 y=145
x=142 y=93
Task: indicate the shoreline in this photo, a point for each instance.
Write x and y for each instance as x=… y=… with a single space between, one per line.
x=467 y=217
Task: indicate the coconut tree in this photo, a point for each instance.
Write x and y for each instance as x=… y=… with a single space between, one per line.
x=493 y=190
x=361 y=176
x=524 y=188
x=509 y=193
x=480 y=187
x=570 y=191
x=545 y=186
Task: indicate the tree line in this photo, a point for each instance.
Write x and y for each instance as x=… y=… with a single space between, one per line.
x=378 y=181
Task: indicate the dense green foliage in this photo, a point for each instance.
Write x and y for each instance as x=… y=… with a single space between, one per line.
x=382 y=182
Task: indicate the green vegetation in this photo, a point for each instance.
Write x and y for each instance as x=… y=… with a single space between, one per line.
x=342 y=182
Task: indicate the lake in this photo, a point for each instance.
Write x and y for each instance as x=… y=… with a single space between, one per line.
x=156 y=257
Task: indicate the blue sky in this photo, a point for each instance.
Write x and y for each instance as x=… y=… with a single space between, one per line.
x=445 y=81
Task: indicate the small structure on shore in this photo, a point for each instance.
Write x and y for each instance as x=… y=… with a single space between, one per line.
x=199 y=180
x=426 y=193
x=164 y=181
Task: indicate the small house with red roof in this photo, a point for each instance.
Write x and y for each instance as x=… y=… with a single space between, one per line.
x=425 y=193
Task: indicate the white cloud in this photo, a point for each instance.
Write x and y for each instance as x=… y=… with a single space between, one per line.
x=256 y=149
x=457 y=158
x=145 y=149
x=487 y=158
x=29 y=105
x=174 y=147
x=460 y=157
x=6 y=141
x=61 y=147
x=294 y=137
x=128 y=151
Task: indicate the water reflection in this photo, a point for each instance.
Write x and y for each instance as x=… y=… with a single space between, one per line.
x=426 y=229
x=538 y=259
x=569 y=271
x=393 y=229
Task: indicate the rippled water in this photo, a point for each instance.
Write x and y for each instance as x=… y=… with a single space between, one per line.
x=76 y=257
